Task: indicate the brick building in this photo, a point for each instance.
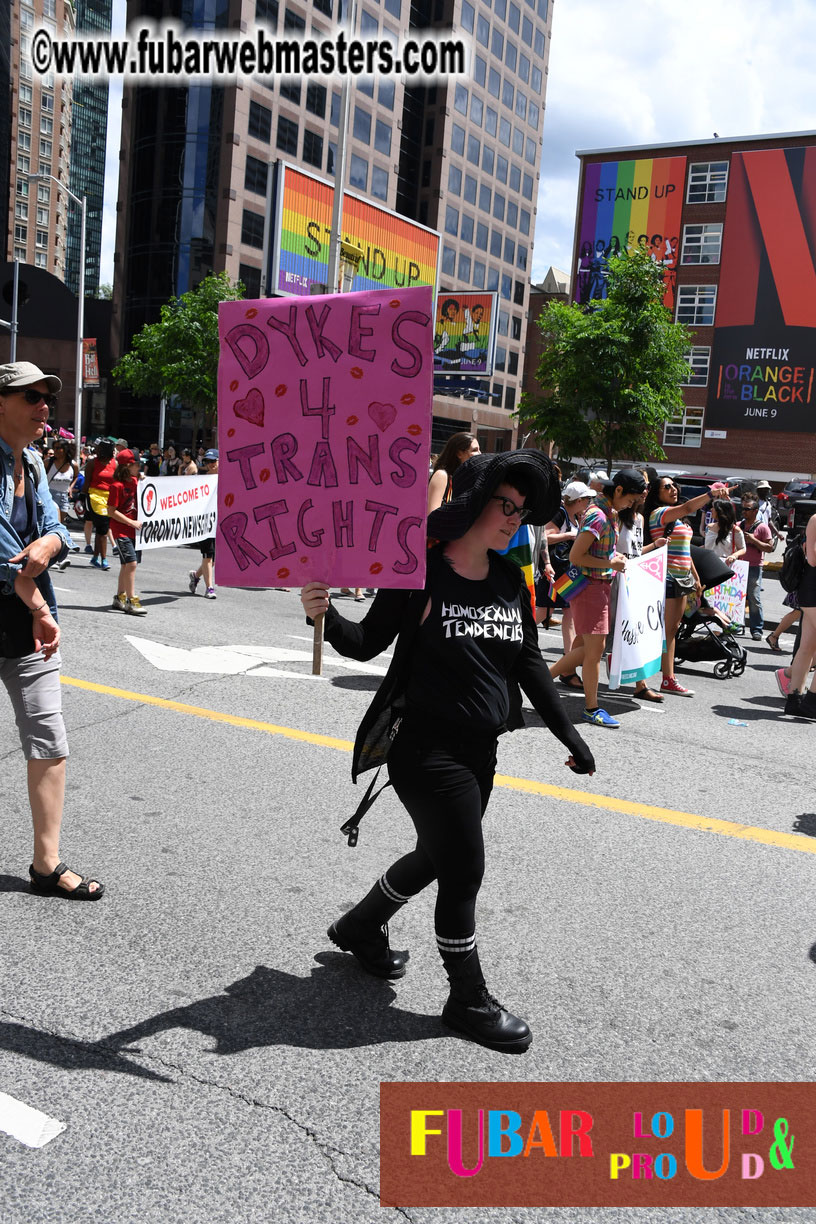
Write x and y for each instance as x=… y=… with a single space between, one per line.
x=734 y=224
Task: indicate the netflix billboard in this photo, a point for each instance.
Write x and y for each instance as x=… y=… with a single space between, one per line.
x=764 y=354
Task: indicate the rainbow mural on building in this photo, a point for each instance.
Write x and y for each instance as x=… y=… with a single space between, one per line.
x=626 y=206
x=398 y=253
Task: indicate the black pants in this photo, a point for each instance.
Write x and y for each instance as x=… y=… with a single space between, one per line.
x=445 y=787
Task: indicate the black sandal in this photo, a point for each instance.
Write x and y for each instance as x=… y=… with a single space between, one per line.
x=48 y=885
x=567 y=682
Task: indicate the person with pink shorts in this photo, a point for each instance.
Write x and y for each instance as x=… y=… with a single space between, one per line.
x=596 y=555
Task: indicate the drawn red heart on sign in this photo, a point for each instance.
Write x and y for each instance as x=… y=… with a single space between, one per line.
x=250 y=409
x=382 y=415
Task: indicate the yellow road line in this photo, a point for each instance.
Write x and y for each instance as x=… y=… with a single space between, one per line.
x=564 y=794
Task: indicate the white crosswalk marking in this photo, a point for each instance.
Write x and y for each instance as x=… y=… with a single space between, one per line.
x=29 y=1126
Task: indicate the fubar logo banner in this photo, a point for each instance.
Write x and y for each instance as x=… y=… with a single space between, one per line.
x=597 y=1145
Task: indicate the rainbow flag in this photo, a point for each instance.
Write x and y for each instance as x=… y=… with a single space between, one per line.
x=569 y=584
x=520 y=550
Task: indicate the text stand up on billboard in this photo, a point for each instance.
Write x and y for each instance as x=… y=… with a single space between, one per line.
x=324 y=418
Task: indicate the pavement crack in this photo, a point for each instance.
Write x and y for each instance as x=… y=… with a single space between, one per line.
x=104 y=1051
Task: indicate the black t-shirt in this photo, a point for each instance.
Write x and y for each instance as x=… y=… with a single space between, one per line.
x=464 y=652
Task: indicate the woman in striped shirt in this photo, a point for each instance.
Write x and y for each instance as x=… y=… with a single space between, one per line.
x=665 y=514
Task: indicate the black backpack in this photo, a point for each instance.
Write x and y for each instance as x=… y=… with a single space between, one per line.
x=793 y=565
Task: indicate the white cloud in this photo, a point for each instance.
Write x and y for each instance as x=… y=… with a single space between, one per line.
x=652 y=71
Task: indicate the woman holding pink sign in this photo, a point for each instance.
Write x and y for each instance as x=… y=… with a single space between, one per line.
x=461 y=644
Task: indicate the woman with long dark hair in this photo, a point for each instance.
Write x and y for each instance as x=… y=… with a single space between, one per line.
x=456 y=451
x=462 y=643
x=665 y=516
x=723 y=537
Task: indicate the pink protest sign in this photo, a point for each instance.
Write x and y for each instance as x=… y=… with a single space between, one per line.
x=324 y=420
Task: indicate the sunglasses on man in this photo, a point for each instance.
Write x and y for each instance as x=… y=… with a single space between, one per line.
x=32 y=397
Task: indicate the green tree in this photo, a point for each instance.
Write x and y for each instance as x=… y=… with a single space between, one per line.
x=611 y=374
x=178 y=356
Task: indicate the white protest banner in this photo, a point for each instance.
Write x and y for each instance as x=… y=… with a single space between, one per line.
x=324 y=425
x=729 y=597
x=638 y=632
x=176 y=510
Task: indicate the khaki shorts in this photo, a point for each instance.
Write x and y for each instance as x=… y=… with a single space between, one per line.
x=33 y=685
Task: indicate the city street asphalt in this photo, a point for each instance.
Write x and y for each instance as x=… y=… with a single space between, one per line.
x=213 y=1057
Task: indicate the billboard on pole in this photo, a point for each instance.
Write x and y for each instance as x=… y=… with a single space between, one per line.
x=397 y=253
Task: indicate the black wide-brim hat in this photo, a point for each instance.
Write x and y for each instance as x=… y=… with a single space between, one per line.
x=475 y=481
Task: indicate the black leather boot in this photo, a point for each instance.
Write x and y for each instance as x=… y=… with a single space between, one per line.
x=363 y=931
x=472 y=1010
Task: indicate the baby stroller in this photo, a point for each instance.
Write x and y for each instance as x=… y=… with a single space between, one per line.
x=701 y=636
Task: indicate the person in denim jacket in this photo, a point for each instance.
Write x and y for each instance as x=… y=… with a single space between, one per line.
x=31 y=540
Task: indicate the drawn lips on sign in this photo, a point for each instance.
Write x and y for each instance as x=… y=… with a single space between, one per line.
x=250 y=409
x=382 y=415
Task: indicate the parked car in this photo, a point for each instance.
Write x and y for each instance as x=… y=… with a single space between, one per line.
x=799 y=513
x=794 y=491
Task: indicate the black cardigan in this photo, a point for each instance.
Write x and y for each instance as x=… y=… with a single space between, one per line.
x=398 y=614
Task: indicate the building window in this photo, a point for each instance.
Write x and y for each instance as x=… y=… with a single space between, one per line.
x=506 y=287
x=385 y=93
x=521 y=105
x=515 y=324
x=26 y=19
x=448 y=261
x=500 y=9
x=698 y=359
x=478 y=274
x=510 y=399
x=684 y=429
x=21 y=212
x=20 y=254
x=501 y=357
x=488 y=159
x=498 y=206
x=468 y=16
x=42 y=215
x=536 y=80
x=514 y=18
x=290 y=89
x=501 y=169
x=47 y=103
x=457 y=139
x=46 y=125
x=518 y=293
x=316 y=100
x=471 y=187
x=42 y=238
x=21 y=233
x=267 y=11
x=454 y=179
x=394 y=7
x=695 y=305
x=43 y=193
x=495 y=243
x=491 y=121
x=292 y=21
x=24 y=117
x=362 y=125
x=252 y=229
x=482 y=31
x=524 y=221
x=255 y=176
x=521 y=258
x=358 y=172
x=512 y=363
x=312 y=149
x=527 y=187
x=518 y=141
x=509 y=251
x=479 y=70
x=512 y=214
x=702 y=244
x=40 y=259
x=379 y=182
x=476 y=110
x=508 y=94
x=707 y=182
x=530 y=151
x=504 y=132
x=494 y=83
x=485 y=196
x=451 y=220
x=26 y=94
x=464 y=268
x=24 y=141
x=287 y=140
x=474 y=149
x=260 y=122
x=504 y=322
x=466 y=230
x=481 y=236
x=533 y=115
x=460 y=99
x=524 y=66
x=323 y=6
x=382 y=137
x=497 y=44
x=251 y=278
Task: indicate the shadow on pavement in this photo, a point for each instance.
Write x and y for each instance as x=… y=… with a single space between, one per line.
x=12 y=884
x=749 y=715
x=368 y=683
x=68 y=1053
x=338 y=1007
x=806 y=823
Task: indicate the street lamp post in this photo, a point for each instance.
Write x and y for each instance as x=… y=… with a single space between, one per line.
x=82 y=205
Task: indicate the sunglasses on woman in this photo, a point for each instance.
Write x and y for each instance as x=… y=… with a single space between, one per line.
x=36 y=397
x=509 y=508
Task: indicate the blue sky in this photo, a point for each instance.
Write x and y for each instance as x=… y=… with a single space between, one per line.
x=632 y=72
